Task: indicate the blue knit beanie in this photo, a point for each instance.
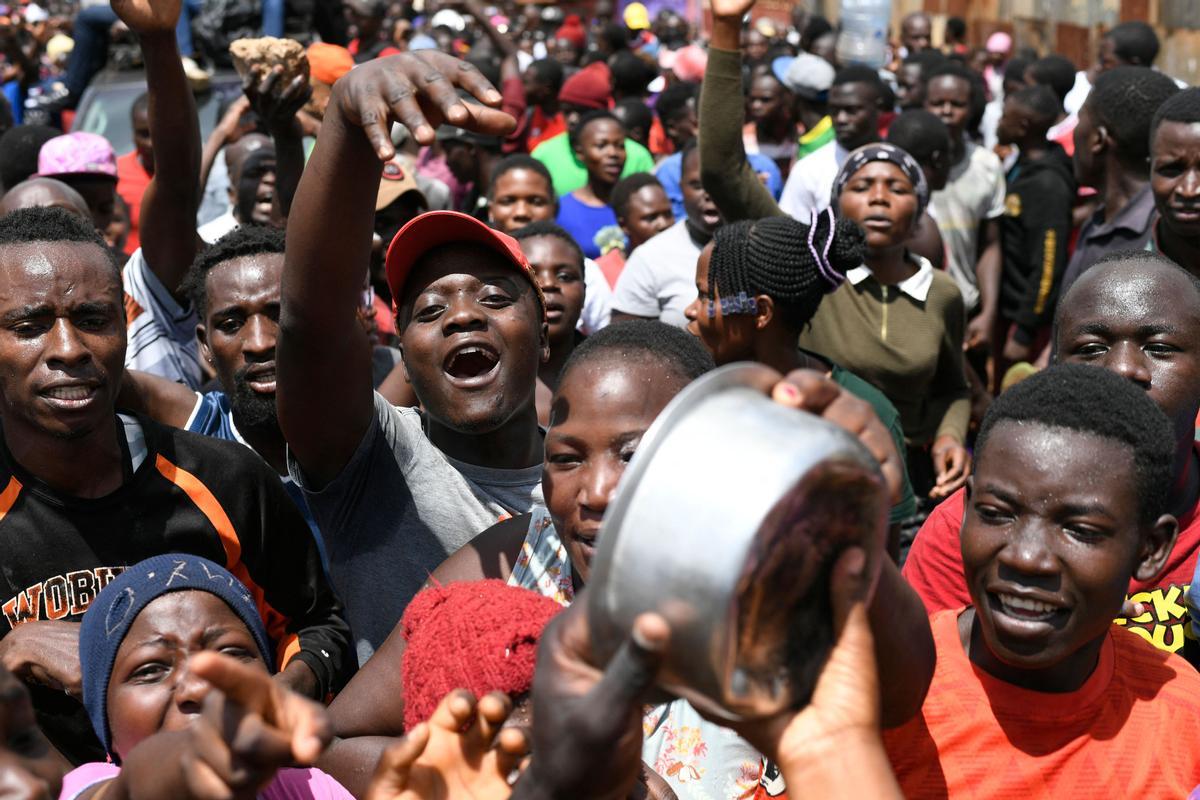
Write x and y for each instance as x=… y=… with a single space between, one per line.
x=115 y=608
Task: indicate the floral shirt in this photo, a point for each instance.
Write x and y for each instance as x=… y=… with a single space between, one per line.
x=699 y=759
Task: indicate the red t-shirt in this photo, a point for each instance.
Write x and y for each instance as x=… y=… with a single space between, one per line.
x=385 y=50
x=542 y=128
x=935 y=569
x=612 y=264
x=1124 y=733
x=132 y=180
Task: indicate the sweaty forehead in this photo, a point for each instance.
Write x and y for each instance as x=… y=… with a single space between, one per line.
x=1130 y=293
x=49 y=271
x=1060 y=462
x=615 y=384
x=247 y=277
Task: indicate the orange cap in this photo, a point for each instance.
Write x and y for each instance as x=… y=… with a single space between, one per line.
x=328 y=62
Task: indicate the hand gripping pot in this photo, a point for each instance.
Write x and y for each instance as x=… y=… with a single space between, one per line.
x=727 y=522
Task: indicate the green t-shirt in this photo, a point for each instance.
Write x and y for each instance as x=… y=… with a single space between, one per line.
x=907 y=507
x=569 y=174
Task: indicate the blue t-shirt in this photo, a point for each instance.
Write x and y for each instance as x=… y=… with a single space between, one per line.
x=670 y=174
x=213 y=417
x=583 y=222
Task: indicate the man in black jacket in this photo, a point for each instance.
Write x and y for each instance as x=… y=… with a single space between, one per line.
x=85 y=491
x=1035 y=227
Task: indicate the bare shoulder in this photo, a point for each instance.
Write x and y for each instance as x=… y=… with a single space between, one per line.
x=491 y=554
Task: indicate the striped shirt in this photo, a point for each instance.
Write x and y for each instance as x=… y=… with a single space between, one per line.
x=162 y=333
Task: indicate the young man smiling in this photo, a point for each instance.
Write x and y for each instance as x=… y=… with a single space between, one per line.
x=1138 y=315
x=1036 y=693
x=395 y=491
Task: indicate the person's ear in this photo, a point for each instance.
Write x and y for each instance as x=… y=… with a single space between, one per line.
x=765 y=312
x=544 y=341
x=1157 y=542
x=1102 y=140
x=202 y=338
x=1023 y=125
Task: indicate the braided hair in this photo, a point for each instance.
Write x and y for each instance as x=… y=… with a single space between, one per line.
x=792 y=263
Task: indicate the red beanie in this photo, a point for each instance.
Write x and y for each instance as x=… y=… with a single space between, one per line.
x=480 y=636
x=589 y=88
x=572 y=30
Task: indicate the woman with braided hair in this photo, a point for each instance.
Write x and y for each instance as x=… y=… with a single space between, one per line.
x=890 y=318
x=759 y=285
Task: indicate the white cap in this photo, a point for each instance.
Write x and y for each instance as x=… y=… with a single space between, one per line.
x=448 y=18
x=809 y=76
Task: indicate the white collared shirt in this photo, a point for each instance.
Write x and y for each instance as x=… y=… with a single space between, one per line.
x=915 y=286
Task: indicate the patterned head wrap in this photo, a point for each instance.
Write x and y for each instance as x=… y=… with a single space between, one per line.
x=882 y=151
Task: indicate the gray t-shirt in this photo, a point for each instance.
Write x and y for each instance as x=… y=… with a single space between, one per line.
x=397 y=510
x=974 y=193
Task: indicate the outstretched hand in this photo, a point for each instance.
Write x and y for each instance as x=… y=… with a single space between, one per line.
x=419 y=90
x=587 y=735
x=249 y=728
x=148 y=16
x=461 y=752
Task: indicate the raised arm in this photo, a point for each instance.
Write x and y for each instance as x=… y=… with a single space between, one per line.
x=277 y=106
x=726 y=174
x=168 y=221
x=503 y=44
x=226 y=132
x=325 y=395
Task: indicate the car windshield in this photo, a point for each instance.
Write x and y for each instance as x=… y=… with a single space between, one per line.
x=104 y=109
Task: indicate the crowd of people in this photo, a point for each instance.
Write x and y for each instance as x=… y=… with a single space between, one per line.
x=311 y=421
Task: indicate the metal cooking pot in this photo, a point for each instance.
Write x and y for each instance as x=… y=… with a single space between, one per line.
x=726 y=522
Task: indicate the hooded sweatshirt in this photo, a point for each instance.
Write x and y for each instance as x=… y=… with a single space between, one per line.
x=1035 y=230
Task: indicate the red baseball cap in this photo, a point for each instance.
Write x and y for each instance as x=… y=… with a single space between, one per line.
x=434 y=228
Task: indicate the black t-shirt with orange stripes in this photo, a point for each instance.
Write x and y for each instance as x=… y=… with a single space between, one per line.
x=183 y=493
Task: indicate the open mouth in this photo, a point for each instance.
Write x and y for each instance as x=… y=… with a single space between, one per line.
x=1026 y=610
x=71 y=397
x=471 y=364
x=554 y=312
x=262 y=380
